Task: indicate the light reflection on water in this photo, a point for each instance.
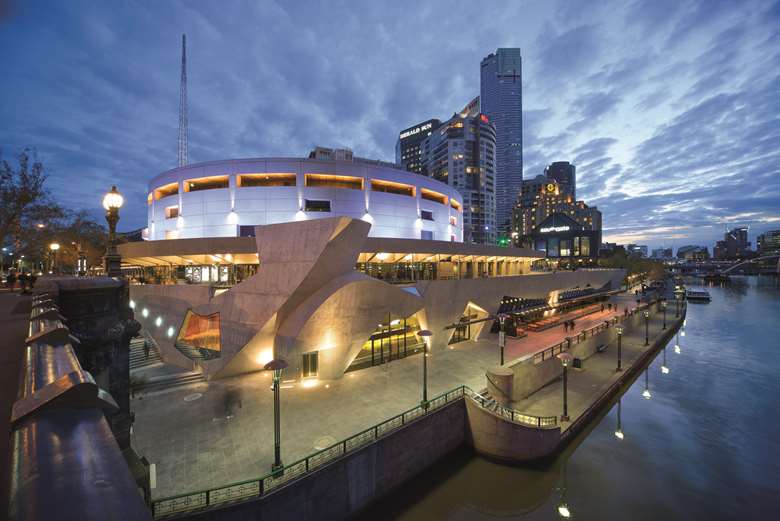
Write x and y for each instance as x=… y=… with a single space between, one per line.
x=706 y=445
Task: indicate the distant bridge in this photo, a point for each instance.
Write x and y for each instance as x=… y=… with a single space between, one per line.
x=748 y=261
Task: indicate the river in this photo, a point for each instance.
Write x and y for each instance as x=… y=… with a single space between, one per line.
x=705 y=445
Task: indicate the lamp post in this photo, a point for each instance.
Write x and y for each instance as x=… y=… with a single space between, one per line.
x=277 y=365
x=54 y=248
x=424 y=334
x=619 y=431
x=112 y=202
x=663 y=309
x=619 y=330
x=502 y=334
x=565 y=359
x=677 y=349
x=646 y=392
x=647 y=326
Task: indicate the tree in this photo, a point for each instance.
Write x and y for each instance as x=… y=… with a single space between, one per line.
x=24 y=201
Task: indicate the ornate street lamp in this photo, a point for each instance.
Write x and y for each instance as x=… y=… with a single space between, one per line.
x=663 y=308
x=502 y=334
x=277 y=365
x=619 y=330
x=647 y=326
x=565 y=359
x=112 y=202
x=424 y=335
x=54 y=247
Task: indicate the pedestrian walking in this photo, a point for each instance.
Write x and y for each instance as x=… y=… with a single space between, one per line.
x=146 y=349
x=602 y=308
x=565 y=325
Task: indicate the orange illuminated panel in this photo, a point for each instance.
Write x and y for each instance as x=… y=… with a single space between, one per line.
x=200 y=332
x=246 y=180
x=149 y=198
x=430 y=195
x=455 y=204
x=166 y=190
x=377 y=185
x=206 y=183
x=334 y=181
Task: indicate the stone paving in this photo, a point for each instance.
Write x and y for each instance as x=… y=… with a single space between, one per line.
x=185 y=432
x=597 y=374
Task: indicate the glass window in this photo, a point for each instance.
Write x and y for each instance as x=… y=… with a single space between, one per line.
x=430 y=195
x=426 y=235
x=199 y=336
x=317 y=206
x=392 y=188
x=565 y=247
x=206 y=183
x=585 y=246
x=552 y=247
x=245 y=180
x=426 y=215
x=334 y=181
x=576 y=246
x=171 y=212
x=310 y=363
x=541 y=245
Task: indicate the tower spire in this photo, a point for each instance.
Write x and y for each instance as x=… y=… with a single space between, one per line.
x=183 y=104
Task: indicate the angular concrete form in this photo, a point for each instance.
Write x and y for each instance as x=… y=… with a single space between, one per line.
x=308 y=297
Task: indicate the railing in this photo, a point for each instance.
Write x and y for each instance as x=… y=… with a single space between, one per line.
x=583 y=335
x=511 y=414
x=261 y=486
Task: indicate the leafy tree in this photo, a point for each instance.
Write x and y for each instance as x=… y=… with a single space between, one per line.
x=24 y=201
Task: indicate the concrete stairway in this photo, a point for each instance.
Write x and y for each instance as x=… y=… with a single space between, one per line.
x=138 y=358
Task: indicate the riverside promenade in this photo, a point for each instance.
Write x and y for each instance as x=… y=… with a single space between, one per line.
x=185 y=432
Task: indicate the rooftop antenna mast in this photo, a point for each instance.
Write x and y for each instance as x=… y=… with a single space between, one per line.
x=183 y=104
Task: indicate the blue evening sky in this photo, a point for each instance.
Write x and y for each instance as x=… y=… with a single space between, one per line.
x=669 y=108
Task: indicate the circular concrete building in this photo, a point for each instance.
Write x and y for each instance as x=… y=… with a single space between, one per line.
x=229 y=198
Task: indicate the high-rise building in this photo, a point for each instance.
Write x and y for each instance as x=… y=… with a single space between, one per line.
x=408 y=154
x=735 y=244
x=501 y=99
x=637 y=250
x=768 y=242
x=541 y=197
x=565 y=174
x=461 y=152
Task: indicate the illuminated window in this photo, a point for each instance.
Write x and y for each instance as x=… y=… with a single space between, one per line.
x=206 y=183
x=247 y=180
x=453 y=220
x=149 y=198
x=199 y=336
x=334 y=181
x=455 y=204
x=430 y=195
x=165 y=191
x=310 y=364
x=171 y=212
x=378 y=185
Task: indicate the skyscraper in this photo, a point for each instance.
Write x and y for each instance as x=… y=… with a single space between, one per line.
x=502 y=102
x=565 y=173
x=408 y=154
x=461 y=153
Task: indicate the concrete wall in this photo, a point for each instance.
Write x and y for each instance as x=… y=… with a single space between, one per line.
x=343 y=488
x=529 y=377
x=494 y=436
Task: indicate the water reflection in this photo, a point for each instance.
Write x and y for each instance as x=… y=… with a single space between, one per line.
x=704 y=447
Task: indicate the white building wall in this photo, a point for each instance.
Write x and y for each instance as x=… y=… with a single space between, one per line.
x=219 y=212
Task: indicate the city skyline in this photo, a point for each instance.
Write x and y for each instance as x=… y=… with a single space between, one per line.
x=95 y=91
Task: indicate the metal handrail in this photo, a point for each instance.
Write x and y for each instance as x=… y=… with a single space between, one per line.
x=259 y=487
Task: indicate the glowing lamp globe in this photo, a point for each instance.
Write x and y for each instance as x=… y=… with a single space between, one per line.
x=54 y=246
x=113 y=200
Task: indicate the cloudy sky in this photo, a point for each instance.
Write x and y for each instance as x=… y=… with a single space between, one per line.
x=669 y=108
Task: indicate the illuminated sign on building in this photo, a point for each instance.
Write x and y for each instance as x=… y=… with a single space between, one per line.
x=484 y=118
x=549 y=229
x=416 y=130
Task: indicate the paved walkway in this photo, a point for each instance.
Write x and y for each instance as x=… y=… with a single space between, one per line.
x=184 y=431
x=14 y=315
